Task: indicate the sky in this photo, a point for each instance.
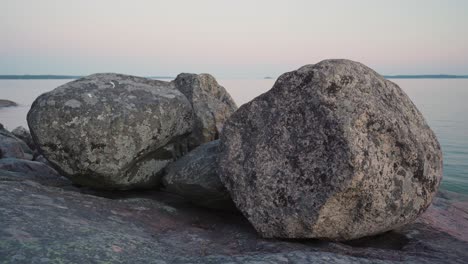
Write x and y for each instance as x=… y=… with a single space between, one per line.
x=231 y=39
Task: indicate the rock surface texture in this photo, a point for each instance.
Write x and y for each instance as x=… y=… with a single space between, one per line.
x=43 y=224
x=111 y=131
x=195 y=177
x=212 y=105
x=332 y=151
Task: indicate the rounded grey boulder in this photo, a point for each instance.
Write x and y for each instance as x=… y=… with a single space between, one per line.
x=332 y=151
x=111 y=131
x=195 y=177
x=212 y=105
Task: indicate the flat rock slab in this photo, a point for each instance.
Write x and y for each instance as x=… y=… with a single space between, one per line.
x=56 y=225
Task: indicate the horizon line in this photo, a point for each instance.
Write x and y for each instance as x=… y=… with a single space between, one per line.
x=72 y=76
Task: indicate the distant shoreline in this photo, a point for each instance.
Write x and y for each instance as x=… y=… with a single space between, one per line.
x=70 y=77
x=59 y=77
x=429 y=76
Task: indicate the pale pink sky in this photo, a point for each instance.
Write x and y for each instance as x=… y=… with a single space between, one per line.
x=238 y=39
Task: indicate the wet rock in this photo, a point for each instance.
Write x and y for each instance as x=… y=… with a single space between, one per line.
x=211 y=104
x=39 y=222
x=111 y=131
x=7 y=103
x=13 y=147
x=195 y=177
x=23 y=134
x=332 y=151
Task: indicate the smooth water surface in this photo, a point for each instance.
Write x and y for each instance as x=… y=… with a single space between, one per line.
x=442 y=102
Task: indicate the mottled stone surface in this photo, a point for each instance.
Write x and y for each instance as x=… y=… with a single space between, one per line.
x=332 y=151
x=111 y=131
x=211 y=104
x=7 y=103
x=23 y=134
x=13 y=147
x=195 y=177
x=43 y=224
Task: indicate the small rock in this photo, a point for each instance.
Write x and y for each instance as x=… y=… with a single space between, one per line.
x=41 y=158
x=195 y=177
x=23 y=134
x=13 y=147
x=211 y=104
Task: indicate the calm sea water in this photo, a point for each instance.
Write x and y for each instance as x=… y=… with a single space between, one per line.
x=443 y=102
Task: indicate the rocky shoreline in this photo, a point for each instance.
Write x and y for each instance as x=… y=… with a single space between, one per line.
x=333 y=165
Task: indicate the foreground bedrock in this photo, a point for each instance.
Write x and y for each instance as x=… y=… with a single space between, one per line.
x=40 y=223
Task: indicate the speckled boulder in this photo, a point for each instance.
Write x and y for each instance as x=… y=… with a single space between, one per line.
x=111 y=131
x=332 y=151
x=212 y=105
x=195 y=177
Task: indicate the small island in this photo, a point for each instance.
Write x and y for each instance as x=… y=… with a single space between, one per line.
x=7 y=103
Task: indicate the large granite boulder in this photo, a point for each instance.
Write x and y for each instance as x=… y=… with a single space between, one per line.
x=212 y=105
x=195 y=177
x=332 y=151
x=111 y=131
x=13 y=147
